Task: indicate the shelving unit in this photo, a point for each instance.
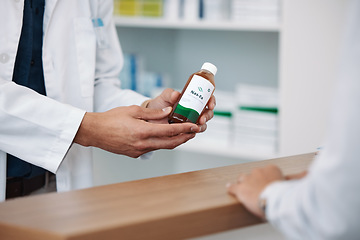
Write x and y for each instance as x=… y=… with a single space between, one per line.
x=169 y=43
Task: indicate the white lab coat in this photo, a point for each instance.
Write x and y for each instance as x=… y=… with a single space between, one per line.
x=326 y=203
x=80 y=75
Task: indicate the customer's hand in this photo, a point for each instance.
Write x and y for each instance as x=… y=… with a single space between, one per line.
x=169 y=97
x=248 y=187
x=296 y=176
x=126 y=130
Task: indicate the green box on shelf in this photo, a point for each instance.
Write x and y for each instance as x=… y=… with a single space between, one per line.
x=152 y=8
x=128 y=7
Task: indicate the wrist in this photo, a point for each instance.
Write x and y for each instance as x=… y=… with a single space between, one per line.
x=262 y=203
x=84 y=135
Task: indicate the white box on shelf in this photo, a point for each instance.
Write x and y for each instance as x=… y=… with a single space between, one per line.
x=172 y=9
x=190 y=10
x=255 y=10
x=216 y=10
x=256 y=96
x=255 y=118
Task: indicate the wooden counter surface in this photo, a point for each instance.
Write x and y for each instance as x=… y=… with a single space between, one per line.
x=169 y=207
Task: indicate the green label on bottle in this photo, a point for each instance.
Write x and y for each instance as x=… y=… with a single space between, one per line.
x=189 y=113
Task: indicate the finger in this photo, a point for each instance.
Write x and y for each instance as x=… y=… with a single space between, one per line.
x=231 y=188
x=166 y=95
x=206 y=116
x=175 y=95
x=212 y=102
x=163 y=100
x=296 y=176
x=169 y=96
x=168 y=130
x=202 y=127
x=168 y=142
x=152 y=114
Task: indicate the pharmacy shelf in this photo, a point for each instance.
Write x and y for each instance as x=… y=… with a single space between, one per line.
x=223 y=150
x=205 y=25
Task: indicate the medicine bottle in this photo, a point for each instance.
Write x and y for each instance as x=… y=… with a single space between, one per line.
x=195 y=95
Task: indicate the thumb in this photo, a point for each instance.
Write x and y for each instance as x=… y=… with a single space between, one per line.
x=155 y=114
x=174 y=97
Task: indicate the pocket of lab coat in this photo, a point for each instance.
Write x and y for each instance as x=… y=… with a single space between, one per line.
x=85 y=39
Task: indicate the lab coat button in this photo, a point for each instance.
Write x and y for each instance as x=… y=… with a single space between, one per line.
x=4 y=58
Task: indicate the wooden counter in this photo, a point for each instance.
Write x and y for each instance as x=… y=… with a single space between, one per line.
x=169 y=207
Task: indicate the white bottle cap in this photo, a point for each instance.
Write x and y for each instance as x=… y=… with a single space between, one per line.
x=210 y=67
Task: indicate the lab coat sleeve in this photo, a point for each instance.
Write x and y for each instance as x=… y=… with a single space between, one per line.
x=326 y=203
x=109 y=61
x=36 y=128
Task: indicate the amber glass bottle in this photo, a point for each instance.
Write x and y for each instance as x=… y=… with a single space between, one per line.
x=194 y=96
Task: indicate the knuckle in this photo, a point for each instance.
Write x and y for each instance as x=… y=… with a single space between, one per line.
x=140 y=135
x=138 y=145
x=171 y=132
x=134 y=108
x=141 y=146
x=211 y=114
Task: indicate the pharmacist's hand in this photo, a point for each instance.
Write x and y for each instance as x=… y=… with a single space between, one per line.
x=169 y=97
x=126 y=130
x=248 y=187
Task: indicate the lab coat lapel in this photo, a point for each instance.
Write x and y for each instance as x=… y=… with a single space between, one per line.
x=49 y=9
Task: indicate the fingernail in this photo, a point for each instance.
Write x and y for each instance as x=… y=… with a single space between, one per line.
x=167 y=109
x=228 y=185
